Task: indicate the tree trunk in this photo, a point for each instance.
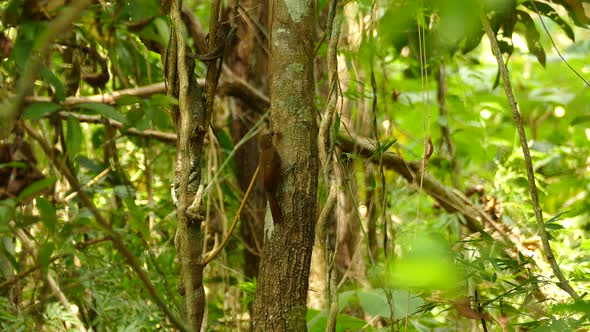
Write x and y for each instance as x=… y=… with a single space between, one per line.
x=280 y=302
x=191 y=119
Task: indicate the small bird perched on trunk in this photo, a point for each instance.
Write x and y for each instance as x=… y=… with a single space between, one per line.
x=270 y=167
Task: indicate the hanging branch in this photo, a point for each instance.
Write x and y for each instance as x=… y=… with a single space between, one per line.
x=563 y=282
x=118 y=242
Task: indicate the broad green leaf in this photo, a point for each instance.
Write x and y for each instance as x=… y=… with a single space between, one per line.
x=73 y=137
x=143 y=123
x=553 y=226
x=532 y=37
x=159 y=118
x=125 y=100
x=317 y=320
x=136 y=118
x=36 y=187
x=427 y=265
x=374 y=303
x=7 y=209
x=580 y=119
x=105 y=110
x=140 y=9
x=576 y=11
x=48 y=215
x=55 y=82
x=45 y=252
x=21 y=51
x=458 y=19
x=505 y=47
x=546 y=10
x=38 y=110
x=162 y=100
x=337 y=123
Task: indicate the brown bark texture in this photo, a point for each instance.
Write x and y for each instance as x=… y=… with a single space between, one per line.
x=280 y=302
x=249 y=62
x=191 y=120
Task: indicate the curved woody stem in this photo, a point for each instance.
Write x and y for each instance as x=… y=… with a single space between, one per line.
x=563 y=282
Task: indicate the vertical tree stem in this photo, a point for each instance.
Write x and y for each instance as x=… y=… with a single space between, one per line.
x=563 y=282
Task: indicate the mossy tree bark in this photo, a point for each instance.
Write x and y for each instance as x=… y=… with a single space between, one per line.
x=280 y=302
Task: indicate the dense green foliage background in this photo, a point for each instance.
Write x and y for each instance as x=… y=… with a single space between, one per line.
x=437 y=275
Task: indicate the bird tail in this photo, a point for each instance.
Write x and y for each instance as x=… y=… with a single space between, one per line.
x=275 y=209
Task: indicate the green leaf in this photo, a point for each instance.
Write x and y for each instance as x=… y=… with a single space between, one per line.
x=125 y=100
x=7 y=209
x=388 y=143
x=581 y=307
x=580 y=119
x=383 y=147
x=374 y=303
x=44 y=253
x=546 y=10
x=557 y=217
x=38 y=110
x=576 y=11
x=553 y=226
x=36 y=187
x=162 y=100
x=317 y=321
x=227 y=146
x=73 y=137
x=427 y=266
x=105 y=110
x=13 y=164
x=48 y=215
x=21 y=51
x=143 y=123
x=337 y=123
x=505 y=47
x=532 y=37
x=58 y=87
x=158 y=117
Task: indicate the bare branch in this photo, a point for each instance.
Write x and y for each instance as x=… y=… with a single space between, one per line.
x=231 y=85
